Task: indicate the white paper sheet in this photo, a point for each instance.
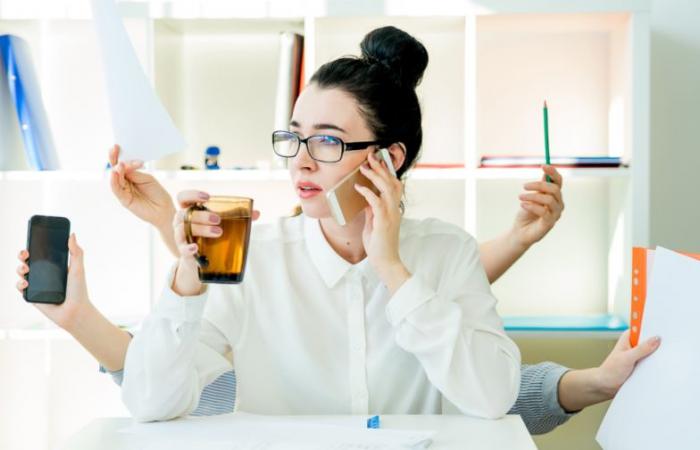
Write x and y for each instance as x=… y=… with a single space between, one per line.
x=141 y=125
x=241 y=431
x=657 y=407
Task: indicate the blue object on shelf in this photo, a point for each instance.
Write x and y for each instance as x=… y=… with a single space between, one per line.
x=26 y=95
x=373 y=422
x=600 y=322
x=211 y=158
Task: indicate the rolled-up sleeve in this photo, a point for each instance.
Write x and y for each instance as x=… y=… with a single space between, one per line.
x=452 y=328
x=175 y=354
x=538 y=401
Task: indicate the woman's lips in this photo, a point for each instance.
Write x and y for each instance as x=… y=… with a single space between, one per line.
x=308 y=190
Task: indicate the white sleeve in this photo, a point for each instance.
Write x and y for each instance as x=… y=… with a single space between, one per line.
x=179 y=351
x=454 y=331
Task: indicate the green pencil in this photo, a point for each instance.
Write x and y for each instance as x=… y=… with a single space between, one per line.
x=546 y=139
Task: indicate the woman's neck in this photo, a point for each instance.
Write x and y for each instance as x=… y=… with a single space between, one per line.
x=346 y=240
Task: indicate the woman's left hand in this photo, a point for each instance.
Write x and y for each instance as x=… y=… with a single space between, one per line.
x=382 y=221
x=541 y=208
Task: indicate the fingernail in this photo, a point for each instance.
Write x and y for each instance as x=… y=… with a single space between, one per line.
x=193 y=248
x=213 y=218
x=216 y=230
x=656 y=340
x=204 y=196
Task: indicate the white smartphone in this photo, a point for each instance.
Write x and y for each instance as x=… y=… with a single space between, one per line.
x=344 y=201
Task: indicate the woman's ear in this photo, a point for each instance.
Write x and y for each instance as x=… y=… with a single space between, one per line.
x=398 y=154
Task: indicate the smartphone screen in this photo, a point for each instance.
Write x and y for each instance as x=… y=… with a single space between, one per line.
x=47 y=243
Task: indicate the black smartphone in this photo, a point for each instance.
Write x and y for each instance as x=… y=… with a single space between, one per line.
x=47 y=243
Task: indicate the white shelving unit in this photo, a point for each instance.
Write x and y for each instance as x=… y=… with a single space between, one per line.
x=214 y=65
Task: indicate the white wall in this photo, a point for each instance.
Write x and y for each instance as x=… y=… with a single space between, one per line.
x=675 y=124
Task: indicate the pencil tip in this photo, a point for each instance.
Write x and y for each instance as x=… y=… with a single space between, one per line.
x=545 y=103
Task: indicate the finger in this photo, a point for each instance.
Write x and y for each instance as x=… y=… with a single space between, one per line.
x=205 y=218
x=379 y=166
x=541 y=199
x=372 y=198
x=22 y=285
x=382 y=184
x=23 y=255
x=623 y=342
x=113 y=155
x=191 y=197
x=645 y=349
x=538 y=210
x=544 y=187
x=22 y=270
x=256 y=214
x=553 y=174
x=207 y=231
x=188 y=250
x=76 y=254
x=116 y=186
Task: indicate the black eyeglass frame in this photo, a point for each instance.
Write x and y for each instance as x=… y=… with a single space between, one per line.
x=345 y=146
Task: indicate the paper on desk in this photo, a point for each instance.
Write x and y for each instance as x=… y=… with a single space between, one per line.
x=241 y=431
x=657 y=407
x=141 y=126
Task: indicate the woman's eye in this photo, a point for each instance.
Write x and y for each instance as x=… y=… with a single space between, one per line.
x=328 y=140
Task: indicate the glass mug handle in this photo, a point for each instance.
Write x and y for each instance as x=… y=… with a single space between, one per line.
x=201 y=259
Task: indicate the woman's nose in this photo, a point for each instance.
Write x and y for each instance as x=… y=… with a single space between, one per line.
x=303 y=159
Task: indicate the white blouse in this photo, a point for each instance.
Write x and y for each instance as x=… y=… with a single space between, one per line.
x=311 y=333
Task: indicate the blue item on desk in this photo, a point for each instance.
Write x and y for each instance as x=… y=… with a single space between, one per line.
x=373 y=422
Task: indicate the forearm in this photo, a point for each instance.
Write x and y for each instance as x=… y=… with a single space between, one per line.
x=499 y=254
x=579 y=389
x=167 y=234
x=100 y=337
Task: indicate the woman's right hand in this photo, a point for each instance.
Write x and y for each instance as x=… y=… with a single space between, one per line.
x=77 y=305
x=204 y=224
x=140 y=192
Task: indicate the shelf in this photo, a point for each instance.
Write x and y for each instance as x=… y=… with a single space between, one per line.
x=566 y=172
x=604 y=326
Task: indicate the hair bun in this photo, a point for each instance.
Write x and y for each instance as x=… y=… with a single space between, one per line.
x=398 y=51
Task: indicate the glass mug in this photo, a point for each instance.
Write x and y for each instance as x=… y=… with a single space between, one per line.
x=223 y=259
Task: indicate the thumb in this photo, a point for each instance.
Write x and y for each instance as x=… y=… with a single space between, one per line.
x=76 y=254
x=645 y=349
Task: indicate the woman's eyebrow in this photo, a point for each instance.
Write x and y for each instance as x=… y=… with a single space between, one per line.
x=318 y=126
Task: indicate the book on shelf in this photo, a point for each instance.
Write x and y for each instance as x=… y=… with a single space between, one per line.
x=23 y=112
x=560 y=161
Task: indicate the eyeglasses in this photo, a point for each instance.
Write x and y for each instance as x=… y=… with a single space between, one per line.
x=321 y=147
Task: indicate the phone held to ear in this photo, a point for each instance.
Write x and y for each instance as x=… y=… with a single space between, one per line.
x=47 y=243
x=344 y=201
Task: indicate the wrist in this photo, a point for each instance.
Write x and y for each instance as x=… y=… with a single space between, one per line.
x=165 y=222
x=601 y=386
x=186 y=281
x=517 y=244
x=394 y=275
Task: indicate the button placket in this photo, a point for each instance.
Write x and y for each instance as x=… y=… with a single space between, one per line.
x=357 y=344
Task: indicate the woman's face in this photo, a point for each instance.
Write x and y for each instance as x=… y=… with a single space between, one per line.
x=328 y=112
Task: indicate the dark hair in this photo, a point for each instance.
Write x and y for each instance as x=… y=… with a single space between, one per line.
x=383 y=81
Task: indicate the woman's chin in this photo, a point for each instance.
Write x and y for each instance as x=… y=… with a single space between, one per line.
x=315 y=209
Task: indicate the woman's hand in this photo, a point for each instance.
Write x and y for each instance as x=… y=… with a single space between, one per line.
x=621 y=361
x=541 y=208
x=204 y=224
x=68 y=314
x=581 y=388
x=380 y=236
x=140 y=192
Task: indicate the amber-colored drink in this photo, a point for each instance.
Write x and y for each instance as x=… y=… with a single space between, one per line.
x=223 y=259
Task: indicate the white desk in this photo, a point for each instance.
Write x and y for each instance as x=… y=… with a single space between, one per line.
x=452 y=432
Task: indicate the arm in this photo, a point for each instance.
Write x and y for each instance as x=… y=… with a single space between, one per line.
x=78 y=316
x=454 y=331
x=538 y=399
x=540 y=210
x=581 y=388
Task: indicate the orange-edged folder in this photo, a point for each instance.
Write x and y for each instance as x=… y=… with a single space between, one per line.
x=642 y=261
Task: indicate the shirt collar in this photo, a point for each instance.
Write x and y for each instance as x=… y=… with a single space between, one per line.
x=328 y=263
